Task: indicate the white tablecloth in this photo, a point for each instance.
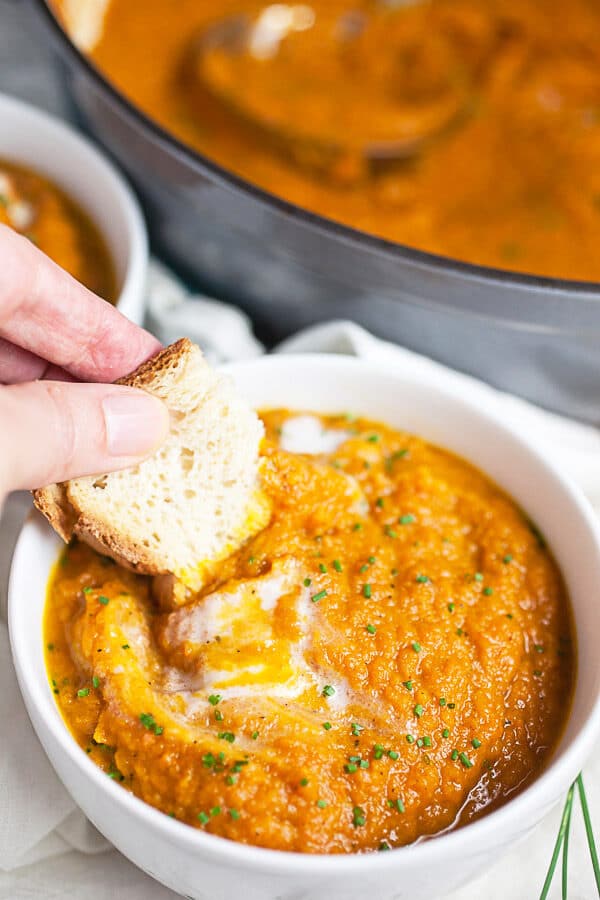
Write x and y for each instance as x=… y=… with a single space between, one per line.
x=47 y=849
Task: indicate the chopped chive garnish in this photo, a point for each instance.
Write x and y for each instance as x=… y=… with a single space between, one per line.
x=426 y=740
x=393 y=754
x=88 y=590
x=478 y=576
x=379 y=503
x=451 y=607
x=319 y=596
x=351 y=768
x=408 y=685
x=367 y=591
x=373 y=438
x=149 y=722
x=446 y=733
x=418 y=710
x=303 y=782
x=103 y=600
x=231 y=779
x=476 y=743
x=96 y=681
x=215 y=811
x=507 y=559
x=442 y=701
x=322 y=804
x=328 y=691
x=254 y=735
x=356 y=729
x=371 y=629
x=218 y=715
x=410 y=739
x=203 y=818
x=390 y=532
x=422 y=579
x=363 y=568
x=307 y=582
x=488 y=591
x=454 y=754
x=124 y=646
x=228 y=736
x=327 y=726
x=465 y=760
x=416 y=646
x=377 y=751
x=83 y=692
x=214 y=699
x=337 y=565
x=407 y=519
x=539 y=648
x=396 y=804
x=357 y=526
x=358 y=816
x=322 y=568
x=234 y=814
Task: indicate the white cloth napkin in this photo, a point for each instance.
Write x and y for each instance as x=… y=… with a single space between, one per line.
x=47 y=848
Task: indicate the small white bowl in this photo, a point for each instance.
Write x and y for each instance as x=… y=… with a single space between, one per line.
x=34 y=139
x=205 y=867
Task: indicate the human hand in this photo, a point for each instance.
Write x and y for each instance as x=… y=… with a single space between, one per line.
x=54 y=335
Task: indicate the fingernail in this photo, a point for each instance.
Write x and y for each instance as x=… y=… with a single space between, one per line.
x=136 y=423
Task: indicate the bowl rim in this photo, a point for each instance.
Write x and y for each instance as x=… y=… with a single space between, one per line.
x=129 y=299
x=561 y=289
x=446 y=845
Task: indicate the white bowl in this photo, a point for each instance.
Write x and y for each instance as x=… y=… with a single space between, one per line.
x=205 y=867
x=46 y=145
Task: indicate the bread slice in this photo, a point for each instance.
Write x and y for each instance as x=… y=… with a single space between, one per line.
x=191 y=503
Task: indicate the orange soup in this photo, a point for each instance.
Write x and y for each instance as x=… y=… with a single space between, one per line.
x=36 y=207
x=490 y=108
x=391 y=657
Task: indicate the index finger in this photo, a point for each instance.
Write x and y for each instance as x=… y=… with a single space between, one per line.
x=47 y=312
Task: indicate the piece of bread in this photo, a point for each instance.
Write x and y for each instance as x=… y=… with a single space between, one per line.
x=191 y=503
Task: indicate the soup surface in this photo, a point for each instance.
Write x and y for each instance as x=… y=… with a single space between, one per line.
x=37 y=208
x=389 y=658
x=469 y=128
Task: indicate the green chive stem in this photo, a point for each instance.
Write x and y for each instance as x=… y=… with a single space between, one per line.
x=589 y=830
x=559 y=841
x=565 y=854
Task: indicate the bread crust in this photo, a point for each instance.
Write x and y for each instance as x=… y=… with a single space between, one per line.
x=53 y=500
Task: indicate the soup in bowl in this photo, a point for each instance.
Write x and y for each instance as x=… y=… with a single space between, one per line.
x=73 y=204
x=389 y=665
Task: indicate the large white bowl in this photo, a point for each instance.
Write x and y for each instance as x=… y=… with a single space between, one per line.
x=37 y=140
x=205 y=867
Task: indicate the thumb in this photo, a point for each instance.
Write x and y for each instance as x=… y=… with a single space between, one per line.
x=53 y=431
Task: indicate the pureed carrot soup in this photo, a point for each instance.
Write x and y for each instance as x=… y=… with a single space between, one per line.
x=37 y=208
x=392 y=656
x=500 y=97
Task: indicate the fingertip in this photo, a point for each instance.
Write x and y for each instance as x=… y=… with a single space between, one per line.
x=136 y=422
